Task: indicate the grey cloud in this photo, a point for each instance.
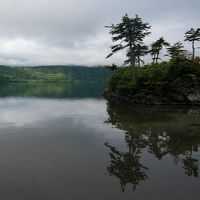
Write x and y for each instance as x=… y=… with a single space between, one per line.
x=72 y=31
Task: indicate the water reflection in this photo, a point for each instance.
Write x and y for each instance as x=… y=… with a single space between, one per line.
x=52 y=90
x=51 y=146
x=53 y=101
x=33 y=112
x=126 y=166
x=161 y=132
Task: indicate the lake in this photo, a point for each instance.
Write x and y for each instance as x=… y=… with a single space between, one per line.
x=65 y=141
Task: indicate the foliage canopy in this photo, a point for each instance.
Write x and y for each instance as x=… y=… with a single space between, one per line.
x=168 y=82
x=130 y=33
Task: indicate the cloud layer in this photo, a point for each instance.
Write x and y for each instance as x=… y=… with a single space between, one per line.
x=35 y=32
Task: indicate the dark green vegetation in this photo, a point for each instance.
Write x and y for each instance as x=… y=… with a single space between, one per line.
x=59 y=74
x=176 y=81
x=162 y=132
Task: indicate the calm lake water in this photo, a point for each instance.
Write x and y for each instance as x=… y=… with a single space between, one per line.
x=64 y=141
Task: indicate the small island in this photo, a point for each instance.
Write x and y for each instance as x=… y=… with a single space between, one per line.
x=174 y=81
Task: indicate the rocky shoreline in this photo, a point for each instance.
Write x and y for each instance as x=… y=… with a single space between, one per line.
x=112 y=96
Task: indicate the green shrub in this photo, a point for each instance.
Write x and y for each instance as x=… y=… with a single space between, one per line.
x=173 y=80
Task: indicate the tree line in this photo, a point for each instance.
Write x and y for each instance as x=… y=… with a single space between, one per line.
x=130 y=33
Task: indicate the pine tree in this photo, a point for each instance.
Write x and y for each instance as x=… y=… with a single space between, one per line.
x=141 y=50
x=176 y=50
x=192 y=36
x=130 y=34
x=156 y=48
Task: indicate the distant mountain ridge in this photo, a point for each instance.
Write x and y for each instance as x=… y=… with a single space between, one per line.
x=54 y=73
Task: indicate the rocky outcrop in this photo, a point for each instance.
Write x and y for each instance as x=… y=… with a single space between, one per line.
x=192 y=100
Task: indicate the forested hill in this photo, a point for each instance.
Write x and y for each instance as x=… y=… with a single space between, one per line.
x=53 y=74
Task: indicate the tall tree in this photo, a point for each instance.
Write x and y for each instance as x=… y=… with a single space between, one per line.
x=176 y=50
x=141 y=50
x=130 y=33
x=156 y=48
x=192 y=36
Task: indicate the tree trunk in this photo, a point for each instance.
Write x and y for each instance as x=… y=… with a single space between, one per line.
x=193 y=50
x=138 y=61
x=132 y=54
x=132 y=58
x=154 y=58
x=157 y=56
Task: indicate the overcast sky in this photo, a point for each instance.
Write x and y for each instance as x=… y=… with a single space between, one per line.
x=39 y=32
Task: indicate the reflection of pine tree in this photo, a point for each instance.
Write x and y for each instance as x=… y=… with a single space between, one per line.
x=162 y=132
x=126 y=166
x=190 y=165
x=157 y=144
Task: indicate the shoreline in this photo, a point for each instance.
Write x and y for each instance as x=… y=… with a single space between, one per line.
x=112 y=96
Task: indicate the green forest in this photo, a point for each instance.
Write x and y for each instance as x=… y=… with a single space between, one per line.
x=57 y=74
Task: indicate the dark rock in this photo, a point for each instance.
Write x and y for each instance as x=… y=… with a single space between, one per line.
x=149 y=100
